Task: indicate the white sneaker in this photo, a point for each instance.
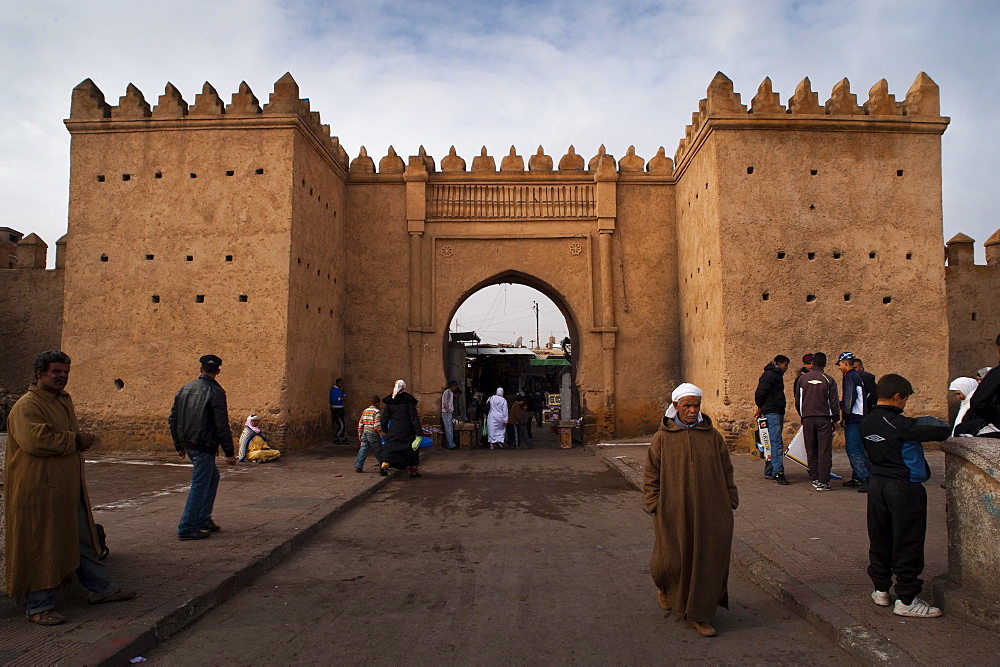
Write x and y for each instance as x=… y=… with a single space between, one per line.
x=815 y=483
x=917 y=609
x=881 y=598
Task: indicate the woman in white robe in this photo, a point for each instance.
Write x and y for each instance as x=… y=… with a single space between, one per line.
x=496 y=420
x=964 y=387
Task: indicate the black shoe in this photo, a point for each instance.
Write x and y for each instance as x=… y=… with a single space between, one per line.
x=863 y=486
x=383 y=472
x=358 y=470
x=210 y=527
x=768 y=475
x=852 y=483
x=196 y=535
x=779 y=478
x=415 y=474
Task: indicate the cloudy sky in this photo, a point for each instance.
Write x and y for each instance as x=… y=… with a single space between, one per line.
x=465 y=72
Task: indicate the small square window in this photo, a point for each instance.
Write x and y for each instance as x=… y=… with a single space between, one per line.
x=155 y=298
x=189 y=258
x=149 y=257
x=229 y=258
x=126 y=177
x=230 y=172
x=100 y=178
x=259 y=172
x=243 y=298
x=199 y=298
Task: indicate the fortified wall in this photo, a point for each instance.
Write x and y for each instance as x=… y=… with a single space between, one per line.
x=246 y=231
x=973 y=305
x=31 y=314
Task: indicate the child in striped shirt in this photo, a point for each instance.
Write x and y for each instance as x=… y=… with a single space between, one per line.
x=369 y=434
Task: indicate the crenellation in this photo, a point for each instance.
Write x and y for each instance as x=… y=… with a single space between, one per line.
x=804 y=100
x=512 y=161
x=207 y=102
x=451 y=162
x=285 y=97
x=571 y=161
x=766 y=101
x=961 y=250
x=722 y=100
x=660 y=163
x=363 y=164
x=170 y=104
x=842 y=101
x=423 y=156
x=88 y=103
x=923 y=98
x=391 y=163
x=880 y=102
x=131 y=105
x=243 y=102
x=483 y=163
x=992 y=246
x=598 y=159
x=32 y=252
x=540 y=161
x=631 y=161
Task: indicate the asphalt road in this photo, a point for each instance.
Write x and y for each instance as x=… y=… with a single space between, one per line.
x=507 y=557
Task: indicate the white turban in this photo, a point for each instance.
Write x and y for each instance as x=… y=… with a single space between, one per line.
x=685 y=389
x=398 y=387
x=967 y=386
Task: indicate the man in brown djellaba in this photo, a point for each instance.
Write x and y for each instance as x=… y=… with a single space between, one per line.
x=688 y=488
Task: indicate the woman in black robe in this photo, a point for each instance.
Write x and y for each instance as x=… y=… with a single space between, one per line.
x=401 y=426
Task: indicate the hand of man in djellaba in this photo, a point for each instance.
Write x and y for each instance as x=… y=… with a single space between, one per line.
x=86 y=441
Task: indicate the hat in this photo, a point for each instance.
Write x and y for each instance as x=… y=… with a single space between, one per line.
x=807 y=358
x=211 y=361
x=845 y=356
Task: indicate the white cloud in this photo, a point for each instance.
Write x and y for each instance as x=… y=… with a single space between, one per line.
x=438 y=73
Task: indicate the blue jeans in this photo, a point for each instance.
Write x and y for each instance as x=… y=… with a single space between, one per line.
x=369 y=442
x=449 y=429
x=860 y=468
x=775 y=422
x=201 y=497
x=91 y=573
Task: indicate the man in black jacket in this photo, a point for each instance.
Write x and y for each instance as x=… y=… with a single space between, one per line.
x=199 y=424
x=770 y=400
x=871 y=393
x=897 y=500
x=986 y=401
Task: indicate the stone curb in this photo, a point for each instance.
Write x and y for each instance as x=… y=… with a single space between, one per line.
x=174 y=615
x=859 y=640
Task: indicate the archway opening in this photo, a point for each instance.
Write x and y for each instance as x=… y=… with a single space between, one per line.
x=514 y=333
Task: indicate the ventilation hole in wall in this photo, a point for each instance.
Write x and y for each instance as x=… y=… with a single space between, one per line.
x=872 y=254
x=847 y=296
x=335 y=214
x=699 y=269
x=155 y=298
x=318 y=309
x=887 y=300
x=299 y=260
x=749 y=170
x=810 y=298
x=899 y=172
x=334 y=281
x=119 y=383
x=229 y=258
x=328 y=276
x=811 y=255
x=303 y=182
x=706 y=305
x=781 y=254
x=104 y=258
x=909 y=255
x=100 y=178
x=706 y=186
x=812 y=207
x=126 y=177
x=331 y=312
x=310 y=192
x=836 y=254
x=696 y=309
x=189 y=258
x=230 y=172
x=765 y=297
x=710 y=262
x=259 y=172
x=696 y=195
x=243 y=298
x=149 y=257
x=193 y=175
x=326 y=206
x=813 y=172
x=319 y=197
x=308 y=266
x=199 y=298
x=317 y=272
x=158 y=174
x=973 y=317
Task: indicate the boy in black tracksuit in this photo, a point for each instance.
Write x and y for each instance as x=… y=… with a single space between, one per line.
x=897 y=501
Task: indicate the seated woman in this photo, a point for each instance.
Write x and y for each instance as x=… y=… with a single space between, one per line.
x=253 y=444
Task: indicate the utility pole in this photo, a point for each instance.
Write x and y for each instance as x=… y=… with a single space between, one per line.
x=538 y=341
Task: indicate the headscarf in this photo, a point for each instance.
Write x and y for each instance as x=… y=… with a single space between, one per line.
x=967 y=386
x=684 y=389
x=249 y=424
x=398 y=387
x=499 y=391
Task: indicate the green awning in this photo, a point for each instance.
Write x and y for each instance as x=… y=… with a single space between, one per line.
x=549 y=362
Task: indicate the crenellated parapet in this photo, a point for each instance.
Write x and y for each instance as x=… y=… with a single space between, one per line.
x=511 y=164
x=961 y=250
x=89 y=112
x=722 y=107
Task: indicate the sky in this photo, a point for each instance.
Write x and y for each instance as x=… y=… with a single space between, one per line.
x=467 y=73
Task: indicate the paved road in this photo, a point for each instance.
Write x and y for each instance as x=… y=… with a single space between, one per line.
x=508 y=557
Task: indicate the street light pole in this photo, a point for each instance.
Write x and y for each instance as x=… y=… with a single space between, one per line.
x=538 y=341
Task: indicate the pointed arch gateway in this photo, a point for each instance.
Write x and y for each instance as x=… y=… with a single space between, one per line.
x=453 y=358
